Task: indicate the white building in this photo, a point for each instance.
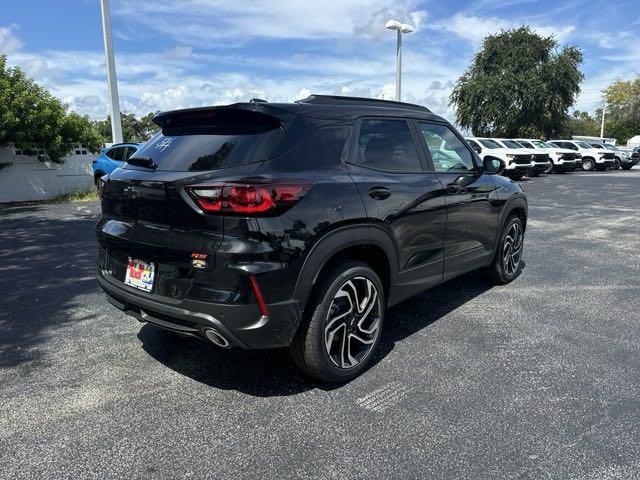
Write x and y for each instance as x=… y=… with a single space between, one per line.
x=634 y=141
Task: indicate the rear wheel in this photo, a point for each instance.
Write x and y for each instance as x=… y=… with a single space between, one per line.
x=507 y=262
x=588 y=164
x=342 y=327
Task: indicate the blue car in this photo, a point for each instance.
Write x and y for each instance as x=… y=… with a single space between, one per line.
x=113 y=157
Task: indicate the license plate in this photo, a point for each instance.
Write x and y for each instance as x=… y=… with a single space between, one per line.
x=139 y=274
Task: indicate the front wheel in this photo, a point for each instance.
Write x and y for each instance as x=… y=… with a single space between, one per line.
x=588 y=164
x=342 y=325
x=507 y=262
x=616 y=165
x=627 y=166
x=549 y=169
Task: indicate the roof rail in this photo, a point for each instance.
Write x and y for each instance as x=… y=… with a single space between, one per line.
x=373 y=102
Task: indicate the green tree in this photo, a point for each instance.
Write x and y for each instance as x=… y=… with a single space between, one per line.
x=580 y=123
x=519 y=84
x=622 y=118
x=133 y=129
x=30 y=117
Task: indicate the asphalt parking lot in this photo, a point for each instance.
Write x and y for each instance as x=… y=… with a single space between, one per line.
x=537 y=379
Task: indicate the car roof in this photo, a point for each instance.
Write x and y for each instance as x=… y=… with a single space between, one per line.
x=326 y=107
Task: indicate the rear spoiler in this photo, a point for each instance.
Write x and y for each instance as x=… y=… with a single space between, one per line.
x=246 y=116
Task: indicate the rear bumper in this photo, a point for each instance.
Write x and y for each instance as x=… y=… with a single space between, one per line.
x=242 y=325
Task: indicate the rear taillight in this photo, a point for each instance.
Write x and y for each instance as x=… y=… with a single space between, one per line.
x=248 y=198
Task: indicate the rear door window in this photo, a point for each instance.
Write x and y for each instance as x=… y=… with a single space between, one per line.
x=212 y=140
x=387 y=145
x=116 y=153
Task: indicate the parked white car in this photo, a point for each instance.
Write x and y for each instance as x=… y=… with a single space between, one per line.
x=562 y=159
x=517 y=162
x=592 y=158
x=539 y=158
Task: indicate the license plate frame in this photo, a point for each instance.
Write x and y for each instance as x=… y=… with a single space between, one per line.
x=140 y=274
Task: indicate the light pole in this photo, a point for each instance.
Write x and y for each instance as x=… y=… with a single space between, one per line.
x=112 y=81
x=604 y=107
x=400 y=28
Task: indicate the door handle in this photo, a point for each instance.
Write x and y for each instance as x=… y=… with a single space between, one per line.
x=379 y=193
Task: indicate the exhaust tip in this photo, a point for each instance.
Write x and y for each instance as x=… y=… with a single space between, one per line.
x=216 y=337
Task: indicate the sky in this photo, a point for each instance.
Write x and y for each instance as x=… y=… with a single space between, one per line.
x=186 y=53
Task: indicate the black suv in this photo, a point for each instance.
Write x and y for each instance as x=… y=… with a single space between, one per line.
x=260 y=225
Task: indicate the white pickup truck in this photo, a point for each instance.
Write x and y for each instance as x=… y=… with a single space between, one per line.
x=592 y=158
x=517 y=162
x=562 y=159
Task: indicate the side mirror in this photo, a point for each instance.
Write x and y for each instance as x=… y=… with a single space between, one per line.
x=493 y=166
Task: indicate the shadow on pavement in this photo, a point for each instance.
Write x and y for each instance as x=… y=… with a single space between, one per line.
x=271 y=372
x=47 y=264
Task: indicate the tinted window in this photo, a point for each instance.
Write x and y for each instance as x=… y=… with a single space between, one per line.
x=387 y=145
x=116 y=153
x=525 y=144
x=490 y=143
x=128 y=152
x=511 y=144
x=448 y=152
x=212 y=139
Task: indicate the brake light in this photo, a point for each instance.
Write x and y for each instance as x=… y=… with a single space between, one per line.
x=248 y=197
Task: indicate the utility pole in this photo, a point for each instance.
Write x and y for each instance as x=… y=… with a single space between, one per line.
x=604 y=107
x=399 y=66
x=112 y=81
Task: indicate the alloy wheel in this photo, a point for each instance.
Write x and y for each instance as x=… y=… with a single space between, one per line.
x=353 y=322
x=512 y=249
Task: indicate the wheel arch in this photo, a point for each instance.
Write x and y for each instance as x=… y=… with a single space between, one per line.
x=370 y=244
x=515 y=205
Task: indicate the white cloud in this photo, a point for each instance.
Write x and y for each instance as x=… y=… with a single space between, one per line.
x=476 y=28
x=206 y=21
x=8 y=41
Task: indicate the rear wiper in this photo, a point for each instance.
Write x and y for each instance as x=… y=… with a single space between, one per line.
x=146 y=162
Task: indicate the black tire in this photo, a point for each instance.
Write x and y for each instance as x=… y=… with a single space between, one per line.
x=309 y=348
x=549 y=168
x=97 y=177
x=516 y=176
x=534 y=173
x=588 y=164
x=499 y=271
x=617 y=165
x=627 y=167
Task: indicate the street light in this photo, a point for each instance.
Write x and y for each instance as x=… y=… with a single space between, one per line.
x=400 y=28
x=112 y=81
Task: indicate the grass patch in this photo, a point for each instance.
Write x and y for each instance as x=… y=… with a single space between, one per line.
x=84 y=196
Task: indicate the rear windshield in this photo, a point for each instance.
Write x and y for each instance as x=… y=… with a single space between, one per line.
x=211 y=140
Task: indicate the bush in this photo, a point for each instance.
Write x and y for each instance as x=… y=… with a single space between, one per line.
x=30 y=117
